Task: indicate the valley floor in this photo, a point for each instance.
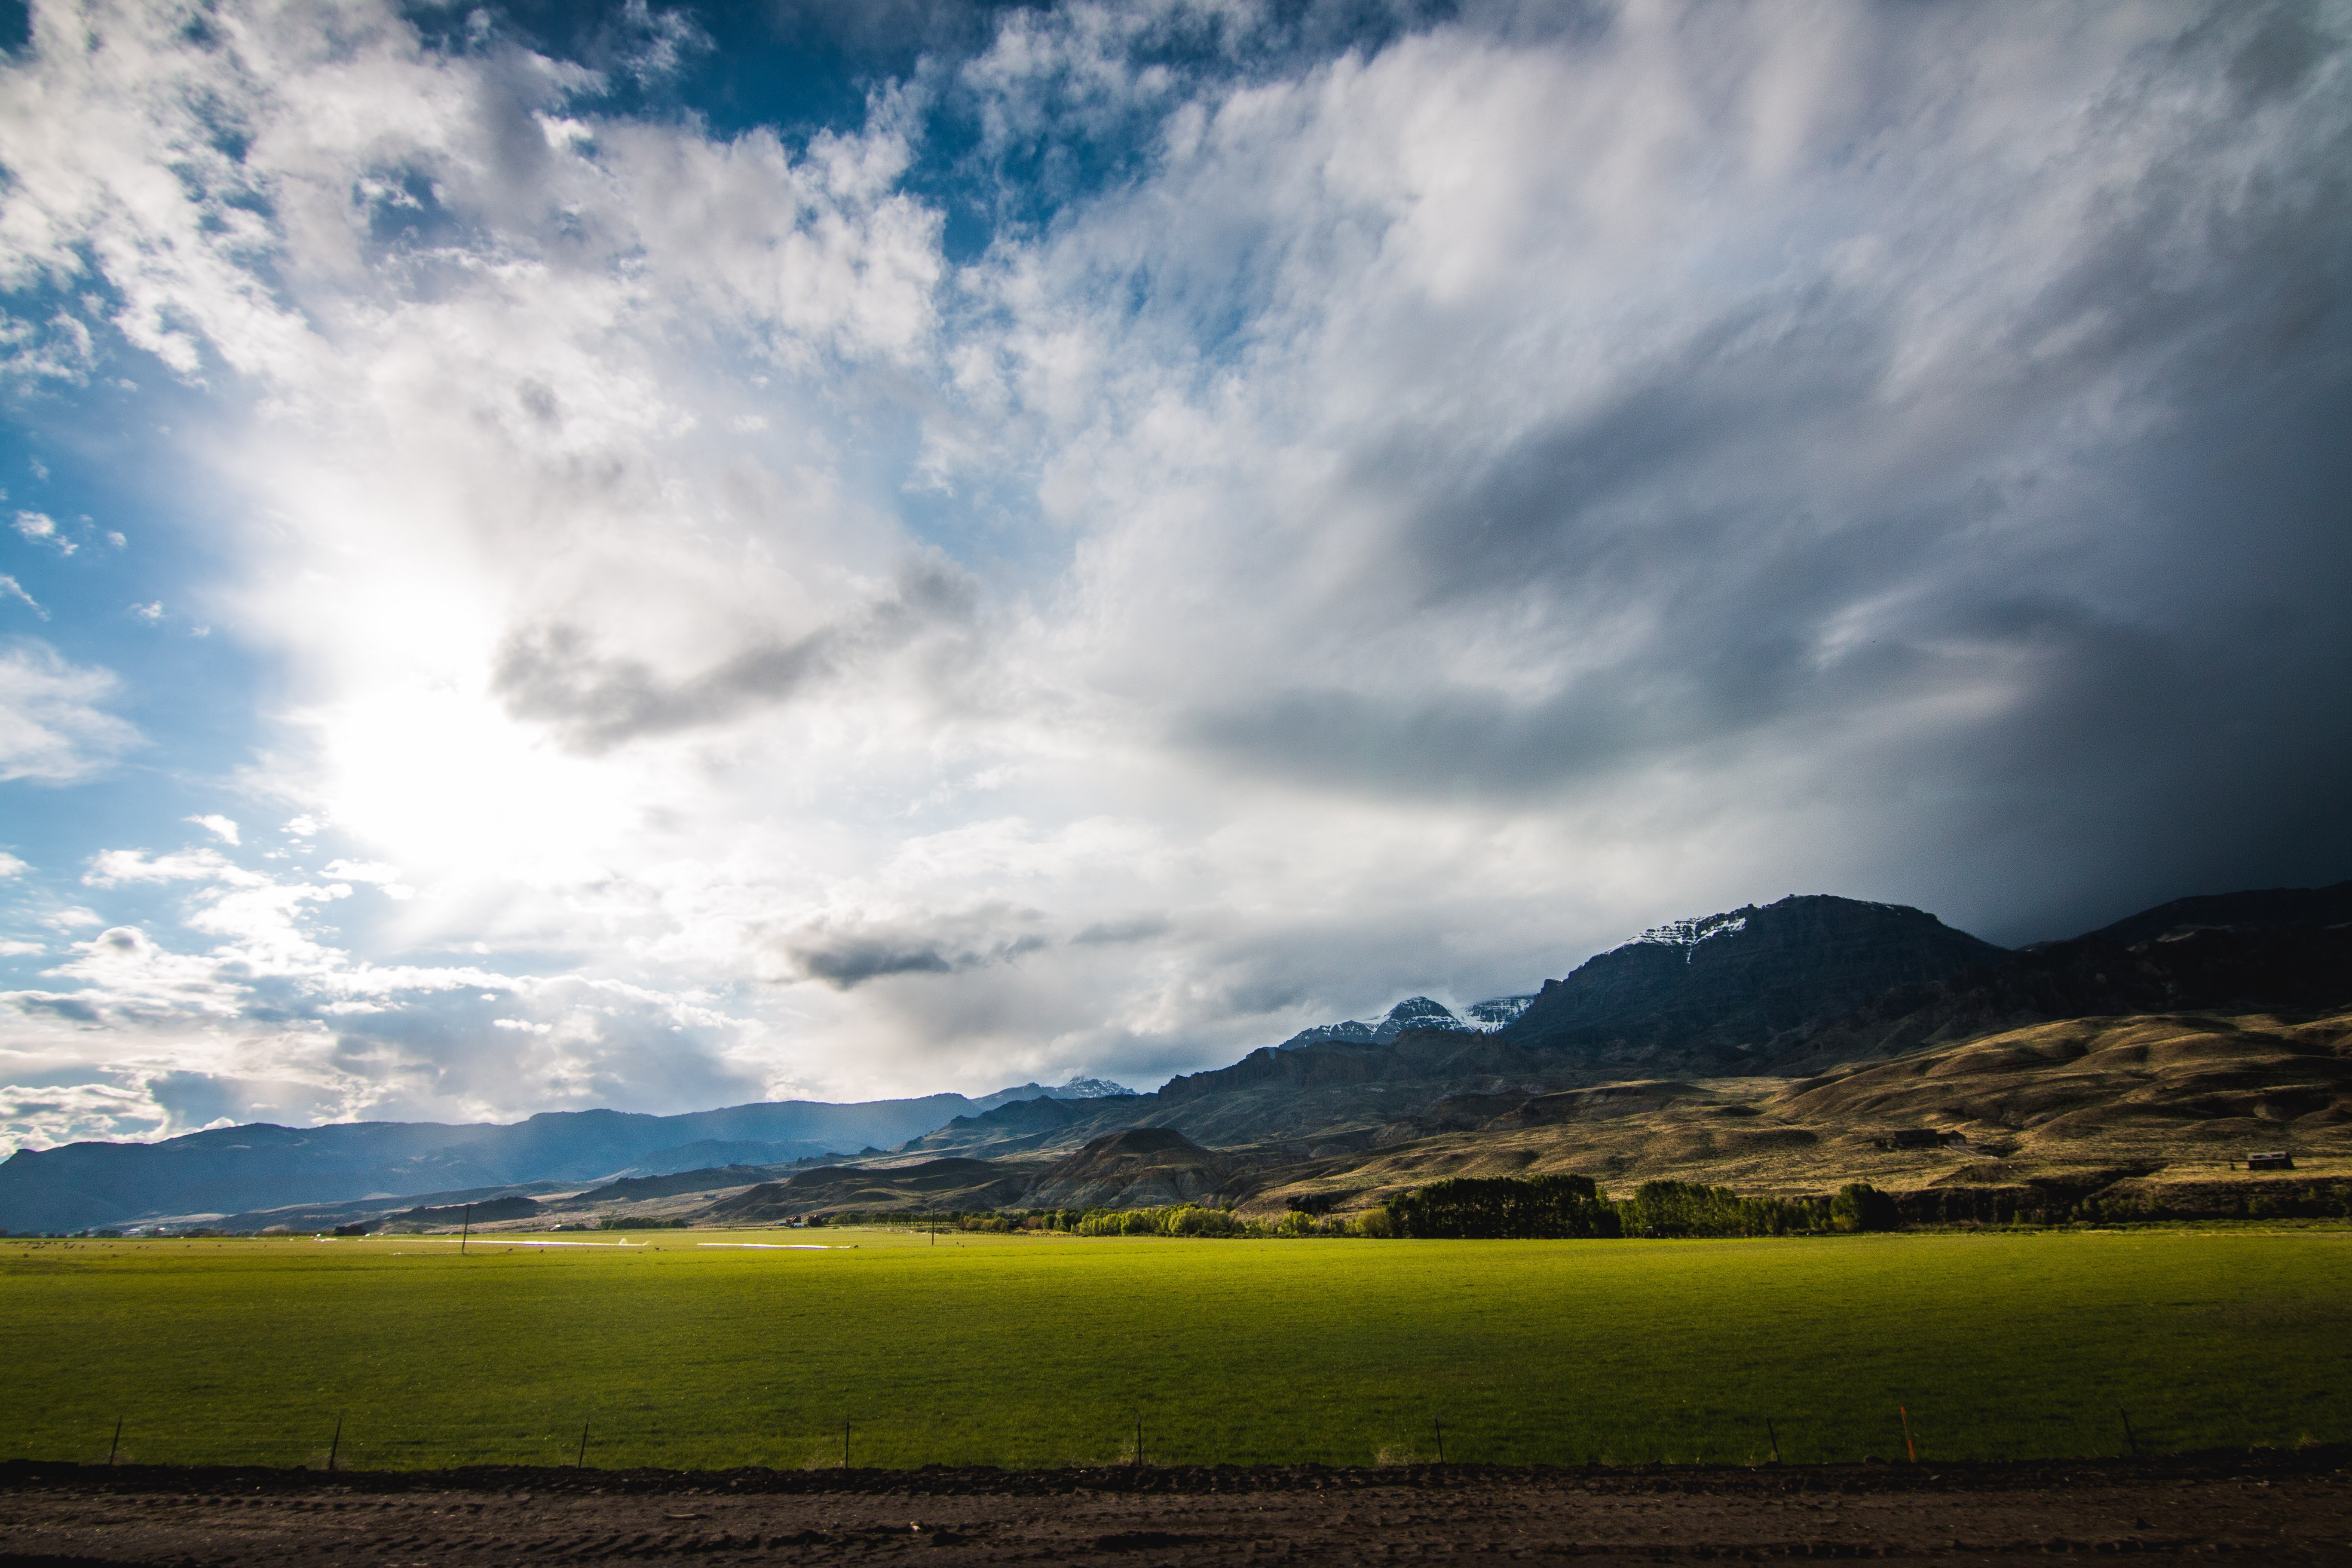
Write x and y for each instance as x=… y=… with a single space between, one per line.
x=2269 y=1509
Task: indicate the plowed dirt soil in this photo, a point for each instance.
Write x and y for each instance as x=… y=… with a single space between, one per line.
x=2277 y=1508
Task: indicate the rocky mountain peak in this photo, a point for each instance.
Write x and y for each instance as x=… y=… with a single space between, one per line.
x=1734 y=979
x=1497 y=1011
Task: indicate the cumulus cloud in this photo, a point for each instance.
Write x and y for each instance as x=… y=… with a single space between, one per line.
x=1387 y=511
x=273 y=1023
x=39 y=527
x=221 y=827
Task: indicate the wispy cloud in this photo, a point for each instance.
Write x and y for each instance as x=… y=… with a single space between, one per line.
x=54 y=724
x=12 y=589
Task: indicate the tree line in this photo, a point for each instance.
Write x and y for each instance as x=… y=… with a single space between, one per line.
x=1568 y=1206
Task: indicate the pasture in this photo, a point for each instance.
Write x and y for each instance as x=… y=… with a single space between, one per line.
x=1043 y=1350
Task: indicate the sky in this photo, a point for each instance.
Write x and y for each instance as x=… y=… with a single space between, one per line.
x=660 y=556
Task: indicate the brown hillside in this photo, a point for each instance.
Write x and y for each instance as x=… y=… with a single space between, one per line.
x=940 y=1184
x=2169 y=1098
x=1143 y=1167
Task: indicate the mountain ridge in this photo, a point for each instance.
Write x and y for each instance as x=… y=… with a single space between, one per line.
x=261 y=1165
x=1792 y=987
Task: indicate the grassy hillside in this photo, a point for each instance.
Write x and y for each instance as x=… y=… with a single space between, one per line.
x=2183 y=1095
x=1035 y=1351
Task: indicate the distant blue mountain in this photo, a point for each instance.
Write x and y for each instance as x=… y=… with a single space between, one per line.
x=231 y=1170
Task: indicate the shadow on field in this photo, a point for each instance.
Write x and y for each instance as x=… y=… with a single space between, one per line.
x=2267 y=1507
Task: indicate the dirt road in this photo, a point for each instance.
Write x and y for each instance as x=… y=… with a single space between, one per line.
x=2260 y=1508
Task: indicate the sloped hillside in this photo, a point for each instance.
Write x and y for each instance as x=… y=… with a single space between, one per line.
x=832 y=1189
x=1143 y=1167
x=2300 y=969
x=2080 y=1103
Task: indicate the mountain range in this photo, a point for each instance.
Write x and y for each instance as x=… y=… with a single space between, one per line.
x=1757 y=1015
x=229 y=1170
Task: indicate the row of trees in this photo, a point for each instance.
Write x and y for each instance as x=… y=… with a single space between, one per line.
x=1493 y=1207
x=1501 y=1206
x=1569 y=1206
x=1548 y=1207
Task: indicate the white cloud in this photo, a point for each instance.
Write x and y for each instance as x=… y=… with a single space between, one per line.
x=39 y=527
x=42 y=1118
x=12 y=867
x=12 y=589
x=114 y=867
x=1439 y=507
x=12 y=948
x=53 y=725
x=221 y=827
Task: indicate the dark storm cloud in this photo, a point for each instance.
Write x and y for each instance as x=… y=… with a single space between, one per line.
x=2108 y=535
x=846 y=953
x=597 y=701
x=856 y=960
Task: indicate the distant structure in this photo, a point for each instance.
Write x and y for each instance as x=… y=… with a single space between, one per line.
x=2278 y=1160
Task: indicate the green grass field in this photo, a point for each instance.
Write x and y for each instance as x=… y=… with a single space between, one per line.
x=1041 y=1350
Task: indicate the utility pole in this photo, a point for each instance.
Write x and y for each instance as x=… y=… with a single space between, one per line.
x=466 y=1234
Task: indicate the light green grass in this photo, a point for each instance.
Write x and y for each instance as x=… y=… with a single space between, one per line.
x=1032 y=1351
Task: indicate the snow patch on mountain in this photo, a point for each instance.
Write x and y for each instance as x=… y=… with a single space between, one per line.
x=1415 y=1013
x=1687 y=934
x=1077 y=1089
x=1496 y=1011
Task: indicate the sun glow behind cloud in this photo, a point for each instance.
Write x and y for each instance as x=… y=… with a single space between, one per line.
x=1435 y=505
